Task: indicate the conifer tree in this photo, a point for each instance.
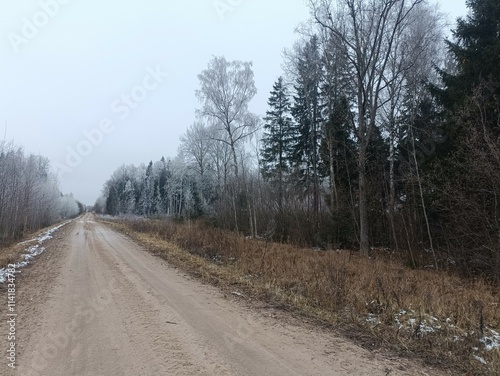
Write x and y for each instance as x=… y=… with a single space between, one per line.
x=278 y=138
x=306 y=111
x=475 y=50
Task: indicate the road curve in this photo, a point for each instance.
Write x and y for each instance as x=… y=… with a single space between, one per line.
x=96 y=303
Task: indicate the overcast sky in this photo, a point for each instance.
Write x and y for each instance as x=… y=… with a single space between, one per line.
x=123 y=74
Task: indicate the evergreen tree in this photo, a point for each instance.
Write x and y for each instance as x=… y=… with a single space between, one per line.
x=278 y=137
x=112 y=201
x=306 y=110
x=164 y=176
x=465 y=178
x=476 y=50
x=147 y=191
x=277 y=145
x=338 y=150
x=197 y=203
x=128 y=199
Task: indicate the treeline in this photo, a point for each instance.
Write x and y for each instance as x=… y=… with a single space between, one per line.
x=163 y=188
x=29 y=194
x=380 y=134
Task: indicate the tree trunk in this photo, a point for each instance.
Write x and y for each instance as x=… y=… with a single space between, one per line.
x=235 y=211
x=235 y=160
x=333 y=184
x=392 y=189
x=364 y=244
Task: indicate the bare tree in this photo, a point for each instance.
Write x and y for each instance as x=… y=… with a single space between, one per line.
x=219 y=157
x=366 y=31
x=410 y=66
x=195 y=145
x=226 y=90
x=29 y=194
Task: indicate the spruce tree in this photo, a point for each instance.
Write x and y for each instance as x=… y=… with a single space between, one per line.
x=277 y=141
x=476 y=51
x=278 y=138
x=466 y=177
x=306 y=110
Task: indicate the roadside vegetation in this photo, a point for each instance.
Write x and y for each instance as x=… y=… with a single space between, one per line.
x=439 y=317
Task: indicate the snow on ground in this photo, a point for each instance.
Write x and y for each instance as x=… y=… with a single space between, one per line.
x=422 y=325
x=32 y=251
x=492 y=341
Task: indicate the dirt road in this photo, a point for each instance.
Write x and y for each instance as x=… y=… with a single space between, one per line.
x=95 y=303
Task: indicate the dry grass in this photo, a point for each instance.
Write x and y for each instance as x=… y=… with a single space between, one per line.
x=12 y=253
x=423 y=313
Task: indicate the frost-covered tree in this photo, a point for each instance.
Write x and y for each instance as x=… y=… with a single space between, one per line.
x=226 y=89
x=195 y=146
x=29 y=194
x=69 y=207
x=147 y=191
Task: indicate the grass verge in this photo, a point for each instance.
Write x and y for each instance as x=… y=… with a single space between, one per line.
x=12 y=253
x=441 y=319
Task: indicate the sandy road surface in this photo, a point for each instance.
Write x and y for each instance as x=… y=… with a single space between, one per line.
x=97 y=304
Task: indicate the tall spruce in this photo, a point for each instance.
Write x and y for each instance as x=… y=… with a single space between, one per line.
x=466 y=177
x=475 y=50
x=277 y=141
x=306 y=110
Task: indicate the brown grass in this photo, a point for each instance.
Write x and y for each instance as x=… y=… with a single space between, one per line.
x=391 y=304
x=11 y=253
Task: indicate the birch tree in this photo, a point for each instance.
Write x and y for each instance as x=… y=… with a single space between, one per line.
x=410 y=67
x=226 y=89
x=195 y=146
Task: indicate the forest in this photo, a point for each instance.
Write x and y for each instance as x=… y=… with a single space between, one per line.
x=30 y=197
x=382 y=134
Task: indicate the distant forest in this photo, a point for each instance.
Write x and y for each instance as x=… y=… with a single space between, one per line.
x=381 y=135
x=29 y=194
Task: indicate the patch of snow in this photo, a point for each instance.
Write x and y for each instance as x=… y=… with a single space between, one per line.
x=238 y=294
x=409 y=319
x=373 y=319
x=428 y=324
x=492 y=341
x=424 y=328
x=32 y=251
x=480 y=359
